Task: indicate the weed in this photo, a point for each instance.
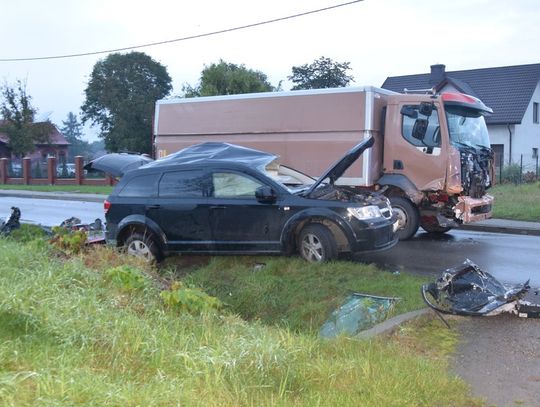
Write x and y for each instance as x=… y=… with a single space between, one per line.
x=191 y=300
x=126 y=278
x=69 y=241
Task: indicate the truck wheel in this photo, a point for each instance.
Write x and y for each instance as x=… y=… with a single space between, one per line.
x=408 y=218
x=144 y=246
x=430 y=225
x=317 y=244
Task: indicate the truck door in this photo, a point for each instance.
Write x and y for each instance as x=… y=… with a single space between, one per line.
x=414 y=144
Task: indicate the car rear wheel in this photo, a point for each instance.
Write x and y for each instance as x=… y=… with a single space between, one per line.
x=317 y=244
x=144 y=246
x=407 y=214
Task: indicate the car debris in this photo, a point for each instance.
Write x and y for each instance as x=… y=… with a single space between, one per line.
x=95 y=233
x=358 y=313
x=469 y=291
x=12 y=223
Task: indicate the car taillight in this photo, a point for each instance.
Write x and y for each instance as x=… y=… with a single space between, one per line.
x=106 y=206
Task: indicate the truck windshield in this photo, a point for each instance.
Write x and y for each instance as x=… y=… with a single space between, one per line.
x=467 y=126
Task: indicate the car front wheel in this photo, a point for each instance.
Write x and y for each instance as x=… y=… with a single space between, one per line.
x=144 y=246
x=317 y=244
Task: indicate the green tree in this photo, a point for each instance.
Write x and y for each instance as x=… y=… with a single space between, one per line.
x=72 y=131
x=18 y=120
x=225 y=78
x=120 y=98
x=321 y=73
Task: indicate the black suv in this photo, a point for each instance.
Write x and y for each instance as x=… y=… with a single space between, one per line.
x=222 y=198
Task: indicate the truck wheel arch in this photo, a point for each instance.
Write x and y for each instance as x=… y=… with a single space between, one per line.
x=400 y=185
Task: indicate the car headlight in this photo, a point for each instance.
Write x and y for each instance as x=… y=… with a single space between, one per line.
x=365 y=212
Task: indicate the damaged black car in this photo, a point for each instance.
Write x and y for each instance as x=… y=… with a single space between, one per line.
x=219 y=198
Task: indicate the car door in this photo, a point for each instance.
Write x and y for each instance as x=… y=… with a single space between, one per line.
x=239 y=222
x=181 y=209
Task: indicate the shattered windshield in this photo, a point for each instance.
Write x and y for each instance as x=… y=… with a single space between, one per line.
x=467 y=127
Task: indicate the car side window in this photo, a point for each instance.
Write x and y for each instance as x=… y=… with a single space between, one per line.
x=184 y=184
x=431 y=142
x=234 y=185
x=141 y=186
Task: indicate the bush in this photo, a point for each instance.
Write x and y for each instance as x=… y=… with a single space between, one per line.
x=126 y=278
x=69 y=241
x=191 y=300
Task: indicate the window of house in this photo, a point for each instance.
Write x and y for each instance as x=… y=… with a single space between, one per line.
x=535 y=112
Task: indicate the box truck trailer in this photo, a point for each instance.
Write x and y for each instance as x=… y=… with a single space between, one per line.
x=431 y=156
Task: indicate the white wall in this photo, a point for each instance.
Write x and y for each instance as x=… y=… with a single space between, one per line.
x=527 y=136
x=500 y=135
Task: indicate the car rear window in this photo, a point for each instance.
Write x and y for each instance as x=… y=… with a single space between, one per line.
x=141 y=186
x=183 y=184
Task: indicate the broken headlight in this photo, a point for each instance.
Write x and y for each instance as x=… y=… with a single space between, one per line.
x=365 y=212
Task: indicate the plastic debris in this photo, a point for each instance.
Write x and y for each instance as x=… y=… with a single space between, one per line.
x=359 y=312
x=468 y=290
x=12 y=222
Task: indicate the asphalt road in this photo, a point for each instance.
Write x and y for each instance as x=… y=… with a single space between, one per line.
x=512 y=259
x=51 y=212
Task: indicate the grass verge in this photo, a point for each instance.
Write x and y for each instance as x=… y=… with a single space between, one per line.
x=517 y=202
x=82 y=189
x=70 y=336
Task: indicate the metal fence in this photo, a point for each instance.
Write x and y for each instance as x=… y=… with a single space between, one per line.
x=516 y=173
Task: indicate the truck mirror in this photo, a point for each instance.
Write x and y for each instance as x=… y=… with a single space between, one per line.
x=426 y=108
x=419 y=129
x=409 y=111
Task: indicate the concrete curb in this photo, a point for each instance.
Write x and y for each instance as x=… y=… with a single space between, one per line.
x=391 y=324
x=66 y=196
x=522 y=230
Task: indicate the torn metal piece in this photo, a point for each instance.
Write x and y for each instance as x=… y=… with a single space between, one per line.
x=468 y=290
x=12 y=222
x=359 y=312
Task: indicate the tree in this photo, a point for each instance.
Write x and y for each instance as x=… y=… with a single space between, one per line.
x=72 y=131
x=321 y=73
x=120 y=98
x=228 y=79
x=18 y=120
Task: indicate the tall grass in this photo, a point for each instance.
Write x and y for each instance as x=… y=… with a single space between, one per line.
x=518 y=202
x=70 y=337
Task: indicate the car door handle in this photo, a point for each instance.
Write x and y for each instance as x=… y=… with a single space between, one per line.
x=217 y=207
x=153 y=207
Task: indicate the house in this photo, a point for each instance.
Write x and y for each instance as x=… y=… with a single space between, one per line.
x=513 y=92
x=57 y=147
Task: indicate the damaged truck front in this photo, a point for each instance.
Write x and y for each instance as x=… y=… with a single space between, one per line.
x=431 y=155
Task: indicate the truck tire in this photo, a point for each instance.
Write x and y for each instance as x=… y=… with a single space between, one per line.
x=317 y=244
x=408 y=218
x=144 y=246
x=431 y=226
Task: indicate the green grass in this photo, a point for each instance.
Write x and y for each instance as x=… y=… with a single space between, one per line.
x=68 y=336
x=291 y=293
x=517 y=202
x=83 y=189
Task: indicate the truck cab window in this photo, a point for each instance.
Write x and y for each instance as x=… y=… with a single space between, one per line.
x=430 y=143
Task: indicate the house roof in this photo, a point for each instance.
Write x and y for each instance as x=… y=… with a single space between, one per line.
x=56 y=138
x=507 y=90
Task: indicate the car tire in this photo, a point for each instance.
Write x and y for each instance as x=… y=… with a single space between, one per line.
x=317 y=244
x=143 y=246
x=408 y=218
x=431 y=226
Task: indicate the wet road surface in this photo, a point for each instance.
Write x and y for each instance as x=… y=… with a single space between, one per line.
x=510 y=258
x=51 y=212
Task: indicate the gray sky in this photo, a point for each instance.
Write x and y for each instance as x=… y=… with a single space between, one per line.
x=379 y=37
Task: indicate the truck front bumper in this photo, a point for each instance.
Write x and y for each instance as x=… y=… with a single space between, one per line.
x=473 y=209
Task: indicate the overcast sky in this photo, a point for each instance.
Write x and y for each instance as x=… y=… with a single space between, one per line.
x=379 y=37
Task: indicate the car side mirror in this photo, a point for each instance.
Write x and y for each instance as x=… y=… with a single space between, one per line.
x=426 y=108
x=419 y=129
x=265 y=194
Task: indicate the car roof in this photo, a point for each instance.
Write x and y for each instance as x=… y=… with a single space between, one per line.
x=217 y=153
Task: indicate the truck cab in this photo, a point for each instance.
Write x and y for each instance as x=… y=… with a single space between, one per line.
x=437 y=161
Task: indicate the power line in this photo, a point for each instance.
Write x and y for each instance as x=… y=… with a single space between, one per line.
x=191 y=37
